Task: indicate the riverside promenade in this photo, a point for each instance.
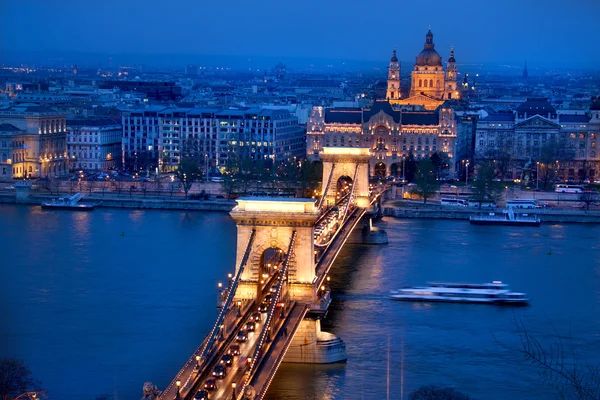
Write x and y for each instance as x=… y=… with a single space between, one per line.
x=414 y=209
x=125 y=200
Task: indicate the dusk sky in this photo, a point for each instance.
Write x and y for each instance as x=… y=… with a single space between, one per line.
x=548 y=32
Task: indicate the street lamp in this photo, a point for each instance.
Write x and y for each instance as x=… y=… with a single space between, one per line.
x=467 y=174
x=239 y=304
x=198 y=363
x=233 y=385
x=178 y=383
x=537 y=175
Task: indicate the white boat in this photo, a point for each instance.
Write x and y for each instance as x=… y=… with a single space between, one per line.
x=481 y=293
x=68 y=203
x=508 y=217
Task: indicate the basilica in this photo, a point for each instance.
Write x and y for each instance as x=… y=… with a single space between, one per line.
x=430 y=84
x=396 y=127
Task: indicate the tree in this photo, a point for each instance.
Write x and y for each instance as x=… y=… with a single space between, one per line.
x=589 y=197
x=426 y=184
x=558 y=366
x=499 y=159
x=433 y=392
x=15 y=378
x=552 y=154
x=50 y=184
x=411 y=167
x=440 y=160
x=484 y=187
x=187 y=173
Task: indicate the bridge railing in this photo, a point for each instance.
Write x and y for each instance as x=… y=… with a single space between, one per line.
x=325 y=188
x=343 y=219
x=216 y=328
x=257 y=356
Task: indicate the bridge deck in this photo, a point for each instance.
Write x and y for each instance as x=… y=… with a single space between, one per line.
x=279 y=346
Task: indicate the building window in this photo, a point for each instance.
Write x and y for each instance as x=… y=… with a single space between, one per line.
x=425 y=82
x=420 y=82
x=431 y=83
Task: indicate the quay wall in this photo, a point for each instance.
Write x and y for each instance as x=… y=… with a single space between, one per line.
x=135 y=203
x=545 y=215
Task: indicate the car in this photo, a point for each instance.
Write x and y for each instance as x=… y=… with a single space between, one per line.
x=263 y=307
x=256 y=317
x=219 y=371
x=201 y=395
x=210 y=384
x=227 y=359
x=269 y=298
x=250 y=326
x=241 y=337
x=234 y=350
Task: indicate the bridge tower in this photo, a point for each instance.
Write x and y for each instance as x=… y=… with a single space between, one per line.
x=269 y=223
x=350 y=162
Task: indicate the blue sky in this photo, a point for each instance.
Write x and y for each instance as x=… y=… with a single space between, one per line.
x=543 y=32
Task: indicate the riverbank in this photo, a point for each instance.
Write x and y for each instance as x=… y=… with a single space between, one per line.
x=401 y=209
x=133 y=202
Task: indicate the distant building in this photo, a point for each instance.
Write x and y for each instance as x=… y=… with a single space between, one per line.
x=523 y=133
x=94 y=143
x=210 y=135
x=430 y=84
x=161 y=91
x=390 y=134
x=7 y=133
x=39 y=149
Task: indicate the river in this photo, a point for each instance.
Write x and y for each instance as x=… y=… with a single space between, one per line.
x=98 y=303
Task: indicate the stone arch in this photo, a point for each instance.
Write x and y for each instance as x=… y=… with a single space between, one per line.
x=344 y=185
x=431 y=83
x=351 y=162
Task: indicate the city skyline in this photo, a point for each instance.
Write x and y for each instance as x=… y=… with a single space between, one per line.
x=490 y=33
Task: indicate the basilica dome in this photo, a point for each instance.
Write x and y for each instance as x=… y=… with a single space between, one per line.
x=428 y=57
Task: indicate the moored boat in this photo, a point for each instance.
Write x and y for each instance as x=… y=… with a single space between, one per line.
x=480 y=293
x=508 y=217
x=68 y=203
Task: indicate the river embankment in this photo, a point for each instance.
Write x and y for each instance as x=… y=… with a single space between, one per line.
x=405 y=209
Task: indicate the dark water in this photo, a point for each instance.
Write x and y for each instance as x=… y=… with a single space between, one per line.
x=93 y=312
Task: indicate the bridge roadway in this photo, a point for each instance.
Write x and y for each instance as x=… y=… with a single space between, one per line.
x=281 y=334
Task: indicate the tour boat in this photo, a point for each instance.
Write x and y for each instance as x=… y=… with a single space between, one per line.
x=508 y=217
x=482 y=293
x=68 y=203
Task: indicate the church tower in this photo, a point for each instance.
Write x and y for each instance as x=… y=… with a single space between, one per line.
x=451 y=78
x=428 y=75
x=393 y=83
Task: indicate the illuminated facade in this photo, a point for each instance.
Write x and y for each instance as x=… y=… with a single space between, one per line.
x=94 y=143
x=525 y=132
x=39 y=148
x=430 y=84
x=390 y=134
x=210 y=135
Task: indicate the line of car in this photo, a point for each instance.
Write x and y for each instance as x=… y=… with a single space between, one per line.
x=228 y=359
